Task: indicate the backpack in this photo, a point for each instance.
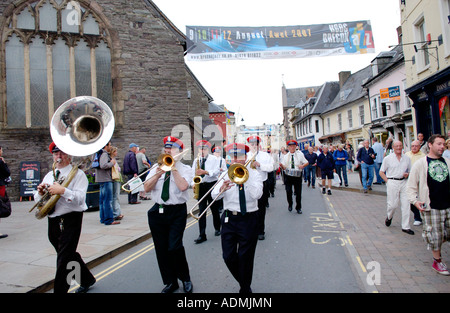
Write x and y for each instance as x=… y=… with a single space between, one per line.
x=96 y=160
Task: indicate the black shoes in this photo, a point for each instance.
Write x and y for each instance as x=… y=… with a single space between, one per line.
x=200 y=239
x=85 y=288
x=170 y=288
x=290 y=208
x=388 y=222
x=408 y=231
x=299 y=211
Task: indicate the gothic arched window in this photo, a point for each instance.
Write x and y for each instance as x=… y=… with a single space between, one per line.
x=54 y=50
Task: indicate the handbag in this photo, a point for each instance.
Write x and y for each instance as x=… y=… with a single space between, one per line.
x=5 y=206
x=115 y=175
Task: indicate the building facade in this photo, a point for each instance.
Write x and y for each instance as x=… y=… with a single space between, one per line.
x=126 y=53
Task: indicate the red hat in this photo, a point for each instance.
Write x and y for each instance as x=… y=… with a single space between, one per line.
x=216 y=149
x=254 y=139
x=237 y=148
x=53 y=148
x=292 y=142
x=203 y=143
x=170 y=141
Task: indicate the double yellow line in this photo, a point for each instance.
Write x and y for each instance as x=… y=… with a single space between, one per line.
x=130 y=258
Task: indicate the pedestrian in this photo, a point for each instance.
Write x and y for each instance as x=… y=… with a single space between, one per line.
x=272 y=176
x=310 y=170
x=446 y=153
x=143 y=165
x=292 y=164
x=351 y=156
x=65 y=221
x=207 y=166
x=117 y=184
x=264 y=165
x=414 y=155
x=423 y=143
x=240 y=218
x=130 y=168
x=366 y=157
x=4 y=176
x=325 y=161
x=340 y=162
x=429 y=190
x=379 y=151
x=388 y=149
x=395 y=171
x=103 y=176
x=167 y=217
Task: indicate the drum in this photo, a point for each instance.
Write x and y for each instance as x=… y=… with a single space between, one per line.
x=293 y=172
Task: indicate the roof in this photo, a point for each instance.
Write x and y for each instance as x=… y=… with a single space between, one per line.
x=352 y=89
x=296 y=96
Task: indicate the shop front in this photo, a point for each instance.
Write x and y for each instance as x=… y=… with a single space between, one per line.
x=431 y=104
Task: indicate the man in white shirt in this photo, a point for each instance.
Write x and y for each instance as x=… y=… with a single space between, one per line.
x=379 y=150
x=293 y=164
x=240 y=218
x=65 y=222
x=264 y=165
x=206 y=166
x=395 y=171
x=167 y=218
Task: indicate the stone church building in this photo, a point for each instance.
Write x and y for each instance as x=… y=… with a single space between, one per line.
x=127 y=53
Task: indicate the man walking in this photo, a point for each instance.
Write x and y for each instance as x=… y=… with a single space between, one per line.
x=379 y=151
x=365 y=157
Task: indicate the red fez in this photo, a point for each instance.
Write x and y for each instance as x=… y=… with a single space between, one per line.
x=53 y=148
x=291 y=142
x=203 y=143
x=254 y=139
x=170 y=141
x=237 y=148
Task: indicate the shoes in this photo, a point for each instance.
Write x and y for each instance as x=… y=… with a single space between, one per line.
x=365 y=190
x=187 y=286
x=137 y=202
x=299 y=211
x=113 y=223
x=370 y=188
x=440 y=268
x=84 y=289
x=323 y=190
x=119 y=217
x=346 y=185
x=3 y=236
x=313 y=187
x=261 y=237
x=329 y=192
x=144 y=198
x=377 y=183
x=200 y=239
x=417 y=223
x=290 y=208
x=388 y=222
x=217 y=233
x=170 y=288
x=308 y=184
x=408 y=231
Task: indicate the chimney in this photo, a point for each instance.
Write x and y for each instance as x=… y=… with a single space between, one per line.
x=399 y=35
x=343 y=76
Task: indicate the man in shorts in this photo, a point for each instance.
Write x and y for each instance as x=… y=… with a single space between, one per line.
x=429 y=190
x=326 y=163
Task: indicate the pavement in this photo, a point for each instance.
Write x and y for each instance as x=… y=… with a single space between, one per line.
x=394 y=261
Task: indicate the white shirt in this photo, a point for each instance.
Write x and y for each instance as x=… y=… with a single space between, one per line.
x=395 y=168
x=212 y=166
x=74 y=198
x=175 y=195
x=299 y=159
x=253 y=188
x=265 y=163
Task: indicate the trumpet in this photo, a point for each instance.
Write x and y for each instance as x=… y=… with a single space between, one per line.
x=197 y=180
x=237 y=173
x=165 y=162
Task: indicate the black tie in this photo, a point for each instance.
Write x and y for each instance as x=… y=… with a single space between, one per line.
x=242 y=201
x=292 y=161
x=57 y=175
x=165 y=189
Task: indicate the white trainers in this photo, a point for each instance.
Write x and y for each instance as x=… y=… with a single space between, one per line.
x=417 y=223
x=440 y=268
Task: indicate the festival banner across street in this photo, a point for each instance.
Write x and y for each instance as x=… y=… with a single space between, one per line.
x=209 y=43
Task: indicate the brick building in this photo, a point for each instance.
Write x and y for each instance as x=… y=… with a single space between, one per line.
x=126 y=53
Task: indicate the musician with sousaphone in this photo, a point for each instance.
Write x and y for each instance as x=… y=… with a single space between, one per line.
x=293 y=163
x=168 y=186
x=239 y=234
x=206 y=167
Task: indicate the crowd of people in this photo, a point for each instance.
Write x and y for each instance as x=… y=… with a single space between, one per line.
x=416 y=181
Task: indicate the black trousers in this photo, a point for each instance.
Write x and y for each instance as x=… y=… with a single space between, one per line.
x=132 y=197
x=167 y=231
x=64 y=233
x=262 y=205
x=239 y=238
x=296 y=182
x=204 y=188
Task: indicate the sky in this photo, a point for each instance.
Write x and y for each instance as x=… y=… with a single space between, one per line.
x=252 y=88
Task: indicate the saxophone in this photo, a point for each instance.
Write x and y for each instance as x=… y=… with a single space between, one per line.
x=197 y=180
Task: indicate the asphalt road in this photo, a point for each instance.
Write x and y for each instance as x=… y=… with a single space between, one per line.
x=302 y=253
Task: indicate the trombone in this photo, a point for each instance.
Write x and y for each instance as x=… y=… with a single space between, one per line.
x=237 y=173
x=165 y=162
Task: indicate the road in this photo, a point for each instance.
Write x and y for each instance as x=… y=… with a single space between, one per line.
x=302 y=253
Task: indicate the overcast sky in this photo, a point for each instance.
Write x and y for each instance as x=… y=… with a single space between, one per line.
x=252 y=88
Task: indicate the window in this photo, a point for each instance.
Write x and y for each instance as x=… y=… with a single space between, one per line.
x=374 y=108
x=422 y=55
x=350 y=118
x=397 y=106
x=54 y=50
x=339 y=120
x=361 y=115
x=328 y=125
x=444 y=6
x=317 y=126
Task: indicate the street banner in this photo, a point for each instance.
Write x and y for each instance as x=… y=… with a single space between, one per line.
x=209 y=43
